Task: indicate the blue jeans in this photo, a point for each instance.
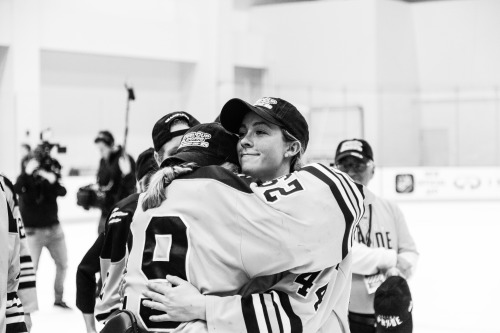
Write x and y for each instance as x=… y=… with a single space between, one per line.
x=53 y=239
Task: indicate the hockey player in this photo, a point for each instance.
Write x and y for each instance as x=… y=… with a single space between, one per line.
x=11 y=308
x=304 y=299
x=27 y=280
x=383 y=244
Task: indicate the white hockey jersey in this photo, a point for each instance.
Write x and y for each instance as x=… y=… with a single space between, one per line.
x=12 y=313
x=218 y=230
x=27 y=280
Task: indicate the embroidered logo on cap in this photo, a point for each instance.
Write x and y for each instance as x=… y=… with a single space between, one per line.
x=389 y=321
x=351 y=145
x=266 y=102
x=177 y=115
x=195 y=139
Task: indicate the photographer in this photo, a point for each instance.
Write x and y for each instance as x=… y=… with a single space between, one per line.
x=115 y=176
x=38 y=188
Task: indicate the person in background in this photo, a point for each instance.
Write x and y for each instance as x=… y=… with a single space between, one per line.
x=38 y=188
x=383 y=244
x=27 y=280
x=168 y=131
x=115 y=176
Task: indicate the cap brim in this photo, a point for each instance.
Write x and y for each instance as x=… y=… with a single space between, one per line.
x=232 y=113
x=202 y=159
x=350 y=153
x=406 y=327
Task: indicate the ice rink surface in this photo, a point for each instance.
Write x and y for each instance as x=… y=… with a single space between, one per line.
x=456 y=287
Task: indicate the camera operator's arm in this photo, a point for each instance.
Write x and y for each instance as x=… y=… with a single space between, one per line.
x=127 y=168
x=48 y=175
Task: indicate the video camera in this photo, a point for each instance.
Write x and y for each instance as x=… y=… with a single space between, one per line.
x=42 y=153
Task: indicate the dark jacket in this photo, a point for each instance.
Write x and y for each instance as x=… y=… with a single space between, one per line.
x=38 y=200
x=112 y=182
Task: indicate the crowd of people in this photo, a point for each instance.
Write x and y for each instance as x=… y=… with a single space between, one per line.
x=222 y=227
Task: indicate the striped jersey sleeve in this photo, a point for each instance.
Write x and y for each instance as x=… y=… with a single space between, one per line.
x=296 y=304
x=14 y=312
x=27 y=280
x=113 y=257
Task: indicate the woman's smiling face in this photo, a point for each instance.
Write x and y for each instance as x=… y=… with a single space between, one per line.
x=261 y=149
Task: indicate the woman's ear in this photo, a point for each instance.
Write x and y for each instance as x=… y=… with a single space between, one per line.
x=293 y=148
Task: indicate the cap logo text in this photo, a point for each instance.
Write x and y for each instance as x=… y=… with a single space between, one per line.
x=195 y=139
x=352 y=145
x=389 y=321
x=266 y=102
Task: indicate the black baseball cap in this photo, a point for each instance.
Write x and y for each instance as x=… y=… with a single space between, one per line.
x=161 y=130
x=145 y=164
x=275 y=110
x=393 y=306
x=206 y=144
x=354 y=147
x=105 y=137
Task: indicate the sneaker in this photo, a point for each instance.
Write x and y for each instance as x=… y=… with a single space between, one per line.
x=62 y=305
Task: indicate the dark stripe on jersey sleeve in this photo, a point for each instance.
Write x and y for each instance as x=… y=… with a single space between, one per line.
x=27 y=285
x=16 y=327
x=25 y=258
x=343 y=206
x=249 y=314
x=278 y=315
x=12 y=221
x=350 y=184
x=358 y=206
x=238 y=182
x=264 y=310
x=295 y=322
x=10 y=186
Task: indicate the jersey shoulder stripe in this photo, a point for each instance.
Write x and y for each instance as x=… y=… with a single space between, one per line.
x=357 y=200
x=351 y=214
x=12 y=222
x=9 y=187
x=229 y=178
x=295 y=322
x=354 y=192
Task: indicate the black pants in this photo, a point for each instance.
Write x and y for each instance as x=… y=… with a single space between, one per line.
x=361 y=323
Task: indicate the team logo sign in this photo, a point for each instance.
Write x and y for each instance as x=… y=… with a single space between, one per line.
x=195 y=139
x=266 y=102
x=405 y=183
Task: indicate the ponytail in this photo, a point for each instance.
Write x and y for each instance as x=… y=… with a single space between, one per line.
x=156 y=192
